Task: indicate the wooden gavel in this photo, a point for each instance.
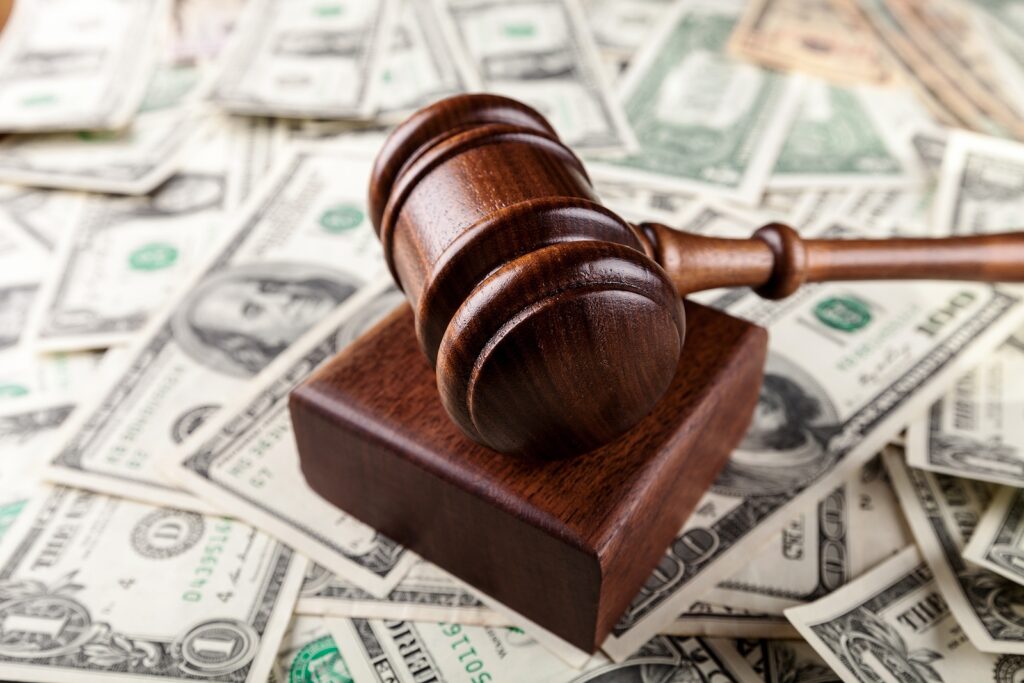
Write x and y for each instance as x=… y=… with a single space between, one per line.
x=553 y=324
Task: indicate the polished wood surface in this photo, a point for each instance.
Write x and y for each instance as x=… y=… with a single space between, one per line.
x=566 y=543
x=553 y=324
x=776 y=261
x=6 y=6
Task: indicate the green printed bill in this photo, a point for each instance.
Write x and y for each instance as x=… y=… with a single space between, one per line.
x=883 y=353
x=306 y=59
x=980 y=185
x=894 y=624
x=77 y=66
x=943 y=513
x=997 y=543
x=298 y=250
x=188 y=596
x=542 y=53
x=705 y=123
x=125 y=256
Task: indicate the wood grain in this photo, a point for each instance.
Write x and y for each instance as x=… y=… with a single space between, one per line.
x=554 y=325
x=568 y=543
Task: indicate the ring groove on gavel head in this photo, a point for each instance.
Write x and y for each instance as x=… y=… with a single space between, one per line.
x=551 y=331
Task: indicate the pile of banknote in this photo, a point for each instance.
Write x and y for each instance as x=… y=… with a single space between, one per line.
x=184 y=238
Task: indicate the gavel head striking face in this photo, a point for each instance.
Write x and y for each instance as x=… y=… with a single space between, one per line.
x=551 y=331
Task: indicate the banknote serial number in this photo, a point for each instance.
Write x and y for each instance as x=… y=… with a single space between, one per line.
x=212 y=551
x=466 y=653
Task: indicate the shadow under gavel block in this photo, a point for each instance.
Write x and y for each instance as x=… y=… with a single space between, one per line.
x=566 y=543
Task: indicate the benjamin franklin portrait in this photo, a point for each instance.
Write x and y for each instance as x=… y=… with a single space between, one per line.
x=785 y=447
x=237 y=321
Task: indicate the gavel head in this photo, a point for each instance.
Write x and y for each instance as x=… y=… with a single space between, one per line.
x=551 y=330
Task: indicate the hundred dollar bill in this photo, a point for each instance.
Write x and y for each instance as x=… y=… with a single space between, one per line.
x=125 y=256
x=77 y=65
x=130 y=161
x=841 y=139
x=719 y=621
x=298 y=250
x=980 y=185
x=976 y=431
x=847 y=532
x=827 y=39
x=943 y=513
x=893 y=624
x=305 y=59
x=407 y=652
x=997 y=541
x=245 y=463
x=705 y=123
x=881 y=355
x=425 y=593
x=419 y=67
x=622 y=26
x=781 y=661
x=540 y=52
x=102 y=589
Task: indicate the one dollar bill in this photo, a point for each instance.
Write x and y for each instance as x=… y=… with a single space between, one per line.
x=998 y=540
x=893 y=624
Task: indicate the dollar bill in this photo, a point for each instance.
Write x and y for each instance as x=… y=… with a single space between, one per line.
x=621 y=27
x=894 y=624
x=718 y=621
x=40 y=214
x=979 y=188
x=305 y=59
x=943 y=513
x=298 y=250
x=27 y=374
x=309 y=654
x=781 y=661
x=841 y=138
x=996 y=543
x=189 y=596
x=975 y=431
x=705 y=123
x=125 y=256
x=133 y=160
x=826 y=39
x=419 y=66
x=27 y=431
x=881 y=355
x=424 y=593
x=540 y=52
x=844 y=534
x=245 y=462
x=408 y=652
x=77 y=66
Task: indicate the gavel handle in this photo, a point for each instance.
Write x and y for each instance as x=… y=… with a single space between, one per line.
x=775 y=260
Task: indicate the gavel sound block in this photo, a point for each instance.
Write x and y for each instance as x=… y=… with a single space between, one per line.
x=555 y=329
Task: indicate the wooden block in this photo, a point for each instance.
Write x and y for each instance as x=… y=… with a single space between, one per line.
x=566 y=543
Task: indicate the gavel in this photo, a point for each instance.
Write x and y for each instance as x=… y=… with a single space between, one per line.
x=554 y=325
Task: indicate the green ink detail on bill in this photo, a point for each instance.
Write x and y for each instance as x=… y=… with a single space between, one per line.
x=845 y=314
x=9 y=513
x=40 y=100
x=153 y=256
x=520 y=30
x=96 y=135
x=341 y=218
x=11 y=390
x=698 y=114
x=319 y=662
x=328 y=10
x=834 y=134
